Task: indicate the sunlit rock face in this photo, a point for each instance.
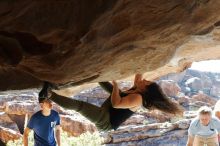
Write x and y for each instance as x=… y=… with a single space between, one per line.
x=84 y=41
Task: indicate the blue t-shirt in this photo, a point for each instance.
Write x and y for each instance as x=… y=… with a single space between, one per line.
x=43 y=127
x=196 y=128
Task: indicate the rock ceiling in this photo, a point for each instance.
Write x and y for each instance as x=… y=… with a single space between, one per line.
x=82 y=41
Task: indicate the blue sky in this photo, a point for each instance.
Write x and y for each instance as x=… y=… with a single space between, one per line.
x=210 y=66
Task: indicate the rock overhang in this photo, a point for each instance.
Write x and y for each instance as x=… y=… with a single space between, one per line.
x=81 y=41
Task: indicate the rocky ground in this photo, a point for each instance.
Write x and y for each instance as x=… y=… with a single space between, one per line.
x=191 y=89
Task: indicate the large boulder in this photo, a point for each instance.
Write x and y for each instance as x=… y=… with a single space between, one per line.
x=170 y=87
x=215 y=90
x=201 y=97
x=149 y=134
x=7 y=134
x=6 y=121
x=74 y=42
x=194 y=83
x=8 y=128
x=76 y=125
